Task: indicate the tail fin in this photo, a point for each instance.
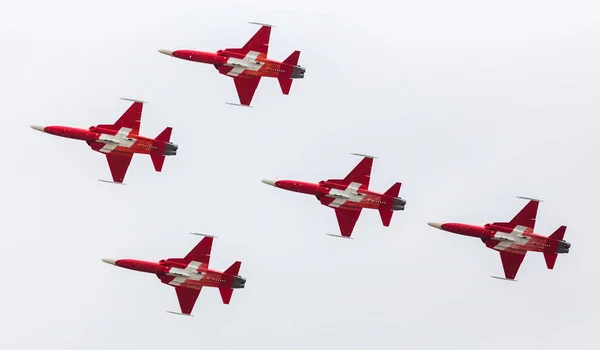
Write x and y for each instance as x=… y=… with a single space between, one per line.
x=559 y=234
x=226 y=292
x=293 y=59
x=386 y=214
x=285 y=82
x=234 y=269
x=158 y=159
x=394 y=191
x=550 y=257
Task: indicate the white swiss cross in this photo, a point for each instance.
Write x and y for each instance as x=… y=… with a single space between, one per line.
x=508 y=239
x=240 y=65
x=120 y=139
x=349 y=194
x=189 y=273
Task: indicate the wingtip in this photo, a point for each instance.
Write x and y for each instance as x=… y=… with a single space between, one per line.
x=262 y=24
x=202 y=234
x=363 y=155
x=131 y=99
x=530 y=199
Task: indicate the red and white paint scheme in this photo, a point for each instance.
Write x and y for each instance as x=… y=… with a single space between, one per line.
x=189 y=274
x=248 y=64
x=350 y=195
x=120 y=141
x=515 y=238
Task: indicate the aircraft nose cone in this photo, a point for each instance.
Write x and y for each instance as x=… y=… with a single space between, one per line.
x=166 y=52
x=38 y=128
x=268 y=182
x=435 y=224
x=110 y=261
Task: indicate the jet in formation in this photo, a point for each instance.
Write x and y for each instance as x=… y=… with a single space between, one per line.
x=350 y=195
x=120 y=141
x=248 y=64
x=189 y=274
x=515 y=238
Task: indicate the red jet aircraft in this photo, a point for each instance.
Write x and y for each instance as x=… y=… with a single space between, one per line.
x=119 y=141
x=350 y=195
x=514 y=239
x=188 y=275
x=247 y=65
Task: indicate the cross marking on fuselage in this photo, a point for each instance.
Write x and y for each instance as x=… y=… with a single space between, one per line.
x=189 y=273
x=508 y=239
x=349 y=194
x=119 y=139
x=240 y=65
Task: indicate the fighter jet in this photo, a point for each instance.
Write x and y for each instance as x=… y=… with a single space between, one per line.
x=119 y=141
x=189 y=274
x=248 y=64
x=514 y=239
x=350 y=195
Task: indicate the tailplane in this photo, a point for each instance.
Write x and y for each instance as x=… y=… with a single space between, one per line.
x=158 y=159
x=563 y=247
x=285 y=82
x=386 y=214
x=227 y=292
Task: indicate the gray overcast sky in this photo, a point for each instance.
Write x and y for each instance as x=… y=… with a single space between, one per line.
x=467 y=103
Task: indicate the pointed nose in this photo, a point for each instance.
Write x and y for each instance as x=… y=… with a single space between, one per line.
x=268 y=182
x=38 y=128
x=166 y=52
x=435 y=224
x=110 y=261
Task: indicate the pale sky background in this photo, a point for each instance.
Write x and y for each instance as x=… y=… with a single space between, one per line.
x=467 y=103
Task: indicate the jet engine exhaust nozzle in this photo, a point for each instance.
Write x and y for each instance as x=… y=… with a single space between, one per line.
x=170 y=149
x=298 y=72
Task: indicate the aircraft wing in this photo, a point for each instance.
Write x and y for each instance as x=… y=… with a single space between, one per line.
x=347 y=220
x=187 y=298
x=201 y=252
x=360 y=176
x=525 y=218
x=511 y=263
x=258 y=44
x=118 y=164
x=129 y=122
x=246 y=86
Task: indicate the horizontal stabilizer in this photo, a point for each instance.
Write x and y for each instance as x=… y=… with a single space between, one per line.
x=158 y=160
x=386 y=216
x=226 y=294
x=286 y=84
x=550 y=259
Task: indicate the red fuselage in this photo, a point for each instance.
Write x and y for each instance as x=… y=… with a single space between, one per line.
x=345 y=197
x=175 y=273
x=98 y=137
x=504 y=238
x=226 y=60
